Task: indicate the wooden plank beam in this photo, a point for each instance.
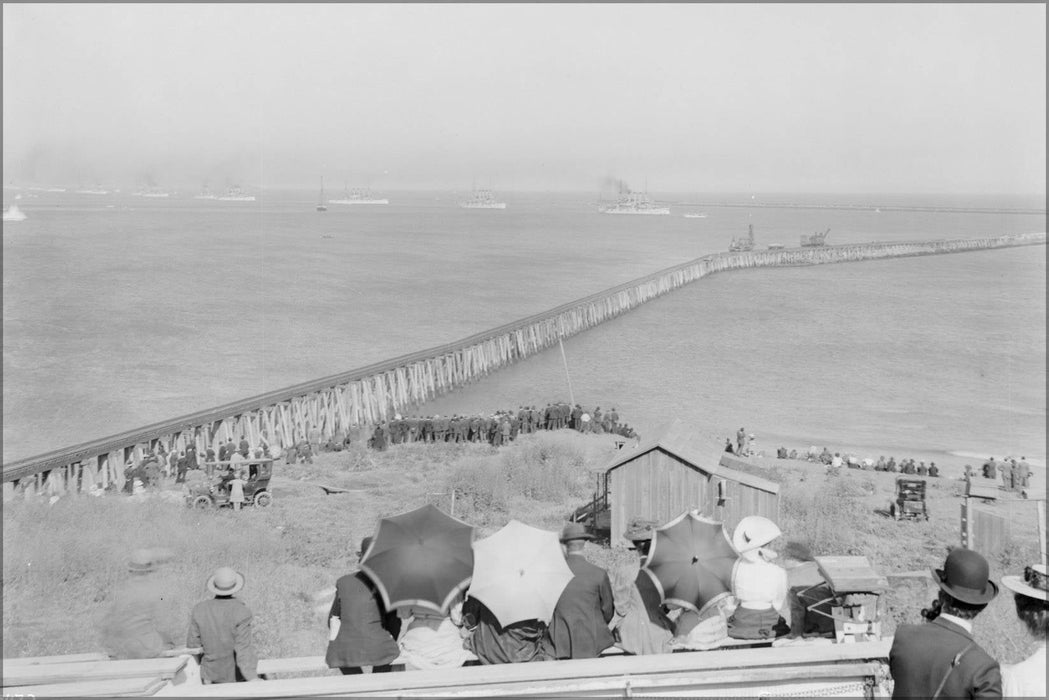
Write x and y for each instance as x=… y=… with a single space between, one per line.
x=59 y=659
x=830 y=661
x=126 y=687
x=19 y=674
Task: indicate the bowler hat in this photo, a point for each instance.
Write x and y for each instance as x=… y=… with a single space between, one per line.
x=966 y=576
x=575 y=531
x=225 y=581
x=1034 y=583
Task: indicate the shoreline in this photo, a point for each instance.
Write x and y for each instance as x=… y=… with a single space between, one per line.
x=950 y=464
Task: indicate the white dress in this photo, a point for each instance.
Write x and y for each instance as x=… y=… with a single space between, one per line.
x=1027 y=678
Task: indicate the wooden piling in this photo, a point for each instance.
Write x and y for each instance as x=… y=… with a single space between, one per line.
x=366 y=396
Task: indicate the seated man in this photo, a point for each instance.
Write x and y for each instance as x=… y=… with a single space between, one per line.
x=493 y=643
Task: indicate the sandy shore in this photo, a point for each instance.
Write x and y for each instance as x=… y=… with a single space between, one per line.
x=952 y=466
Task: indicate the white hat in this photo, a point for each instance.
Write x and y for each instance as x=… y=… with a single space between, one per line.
x=752 y=533
x=225 y=581
x=1032 y=584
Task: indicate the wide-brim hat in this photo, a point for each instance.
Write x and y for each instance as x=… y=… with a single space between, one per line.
x=225 y=581
x=752 y=532
x=640 y=529
x=965 y=576
x=575 y=531
x=1032 y=584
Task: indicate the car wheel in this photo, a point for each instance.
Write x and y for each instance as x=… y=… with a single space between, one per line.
x=201 y=502
x=263 y=499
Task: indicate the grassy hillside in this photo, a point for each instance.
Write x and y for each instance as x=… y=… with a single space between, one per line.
x=63 y=562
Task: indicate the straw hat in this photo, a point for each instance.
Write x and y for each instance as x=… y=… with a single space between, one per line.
x=640 y=529
x=1033 y=583
x=966 y=576
x=575 y=531
x=225 y=581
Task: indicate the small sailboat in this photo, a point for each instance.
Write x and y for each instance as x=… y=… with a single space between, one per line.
x=321 y=205
x=13 y=213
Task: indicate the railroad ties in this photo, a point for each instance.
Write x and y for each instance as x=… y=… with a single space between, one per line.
x=369 y=395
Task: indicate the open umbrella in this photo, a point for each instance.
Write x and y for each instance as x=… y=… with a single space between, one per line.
x=421 y=558
x=691 y=561
x=519 y=573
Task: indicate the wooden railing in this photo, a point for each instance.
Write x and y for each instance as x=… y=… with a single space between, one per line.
x=371 y=394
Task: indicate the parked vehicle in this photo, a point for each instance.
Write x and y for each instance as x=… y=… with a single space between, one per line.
x=210 y=487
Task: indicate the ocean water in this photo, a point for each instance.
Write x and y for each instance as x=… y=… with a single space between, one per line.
x=120 y=311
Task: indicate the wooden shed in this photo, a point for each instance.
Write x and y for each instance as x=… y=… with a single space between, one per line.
x=664 y=478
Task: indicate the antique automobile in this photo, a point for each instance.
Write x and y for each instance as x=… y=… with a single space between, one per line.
x=209 y=487
x=910 y=500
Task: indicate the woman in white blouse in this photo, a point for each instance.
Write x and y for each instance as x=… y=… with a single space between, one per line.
x=1027 y=678
x=759 y=586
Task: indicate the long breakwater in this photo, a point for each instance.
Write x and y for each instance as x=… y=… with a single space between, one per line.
x=369 y=395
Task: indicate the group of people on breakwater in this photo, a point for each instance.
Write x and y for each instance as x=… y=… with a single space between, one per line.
x=499 y=428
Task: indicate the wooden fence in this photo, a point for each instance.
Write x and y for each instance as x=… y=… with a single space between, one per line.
x=372 y=394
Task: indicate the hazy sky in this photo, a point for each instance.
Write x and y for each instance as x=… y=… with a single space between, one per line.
x=691 y=97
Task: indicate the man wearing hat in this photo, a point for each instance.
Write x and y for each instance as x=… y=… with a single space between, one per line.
x=362 y=631
x=579 y=626
x=1031 y=596
x=222 y=626
x=940 y=658
x=137 y=626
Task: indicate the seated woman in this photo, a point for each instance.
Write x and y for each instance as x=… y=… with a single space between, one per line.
x=1031 y=595
x=760 y=587
x=493 y=643
x=644 y=627
x=432 y=639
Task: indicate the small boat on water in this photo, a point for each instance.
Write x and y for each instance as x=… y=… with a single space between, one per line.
x=359 y=195
x=13 y=213
x=700 y=215
x=235 y=194
x=482 y=199
x=95 y=190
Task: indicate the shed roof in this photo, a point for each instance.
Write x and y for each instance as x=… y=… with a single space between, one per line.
x=678 y=440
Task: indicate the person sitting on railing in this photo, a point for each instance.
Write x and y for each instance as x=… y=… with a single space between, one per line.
x=432 y=639
x=493 y=643
x=760 y=587
x=579 y=625
x=138 y=626
x=361 y=631
x=644 y=627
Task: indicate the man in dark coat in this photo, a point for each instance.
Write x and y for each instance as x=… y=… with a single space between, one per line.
x=940 y=658
x=363 y=632
x=222 y=626
x=579 y=626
